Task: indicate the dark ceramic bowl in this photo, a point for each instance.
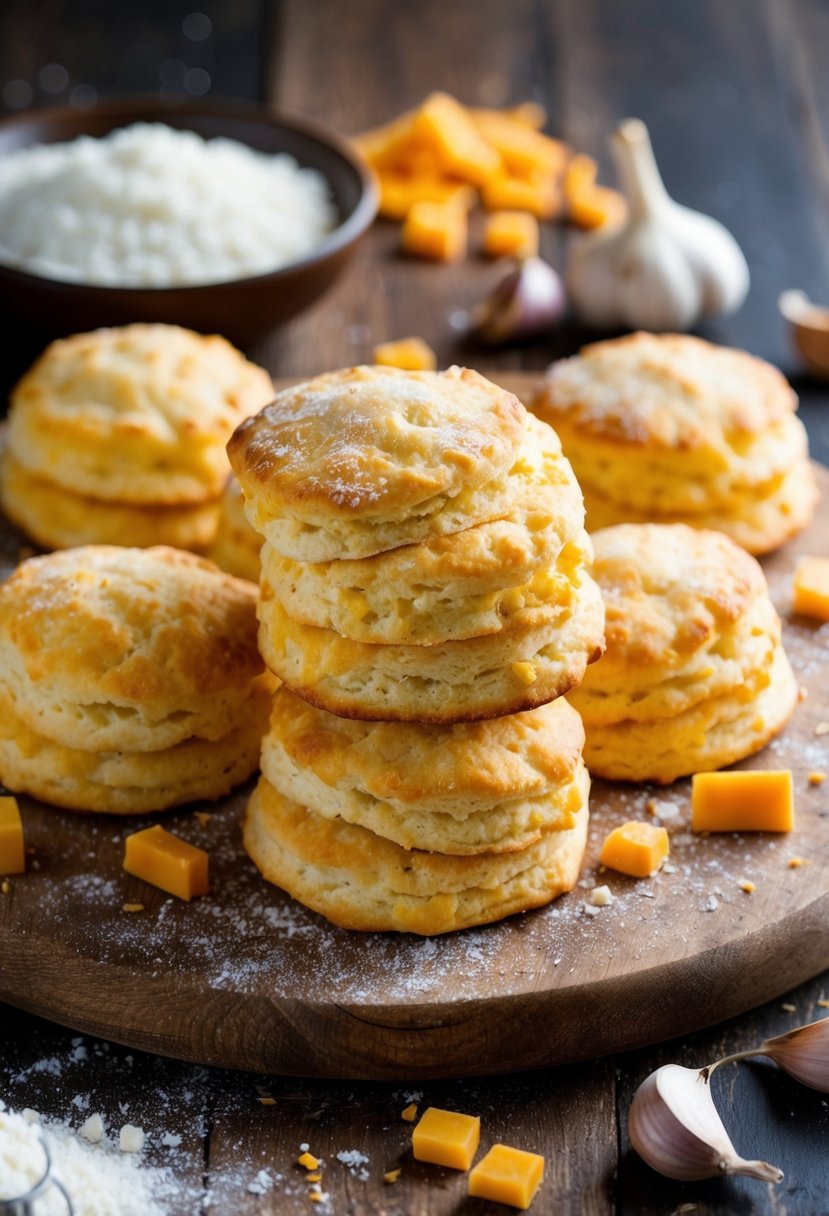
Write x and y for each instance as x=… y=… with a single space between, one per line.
x=243 y=309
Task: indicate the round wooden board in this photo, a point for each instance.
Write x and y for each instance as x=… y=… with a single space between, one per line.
x=249 y=979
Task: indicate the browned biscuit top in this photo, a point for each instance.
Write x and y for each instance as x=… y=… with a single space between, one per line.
x=376 y=442
x=663 y=391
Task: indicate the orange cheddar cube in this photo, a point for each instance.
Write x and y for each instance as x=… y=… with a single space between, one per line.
x=760 y=801
x=400 y=191
x=580 y=176
x=412 y=354
x=811 y=587
x=387 y=145
x=12 y=847
x=637 y=849
x=507 y=1175
x=538 y=195
x=511 y=234
x=445 y=1137
x=436 y=231
x=598 y=206
x=167 y=862
x=523 y=151
x=444 y=124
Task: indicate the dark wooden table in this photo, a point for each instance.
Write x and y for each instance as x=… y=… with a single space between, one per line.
x=737 y=99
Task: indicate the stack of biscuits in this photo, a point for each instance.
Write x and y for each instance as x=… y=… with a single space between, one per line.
x=118 y=437
x=425 y=575
x=694 y=676
x=131 y=679
x=666 y=428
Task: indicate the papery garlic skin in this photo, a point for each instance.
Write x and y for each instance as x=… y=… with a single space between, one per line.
x=529 y=300
x=675 y=1127
x=803 y=1053
x=666 y=267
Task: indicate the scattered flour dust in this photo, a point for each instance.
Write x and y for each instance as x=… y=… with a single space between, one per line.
x=101 y=1180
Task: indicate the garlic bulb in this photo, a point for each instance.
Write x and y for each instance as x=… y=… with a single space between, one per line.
x=529 y=300
x=674 y=1126
x=803 y=1053
x=666 y=267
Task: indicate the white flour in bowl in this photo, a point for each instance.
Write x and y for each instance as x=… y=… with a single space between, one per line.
x=150 y=206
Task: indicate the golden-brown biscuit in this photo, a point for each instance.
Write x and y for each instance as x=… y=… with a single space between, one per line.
x=693 y=645
x=541 y=656
x=709 y=735
x=450 y=587
x=367 y=459
x=55 y=518
x=138 y=414
x=361 y=881
x=236 y=545
x=110 y=649
x=669 y=427
x=493 y=786
x=122 y=782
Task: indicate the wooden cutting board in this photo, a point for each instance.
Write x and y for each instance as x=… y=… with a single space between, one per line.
x=249 y=979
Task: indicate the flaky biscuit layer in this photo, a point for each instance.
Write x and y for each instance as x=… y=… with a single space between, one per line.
x=763 y=521
x=138 y=414
x=474 y=787
x=361 y=881
x=541 y=656
x=710 y=735
x=450 y=587
x=56 y=518
x=104 y=648
x=132 y=782
x=688 y=616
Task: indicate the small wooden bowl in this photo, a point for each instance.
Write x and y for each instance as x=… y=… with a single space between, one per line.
x=243 y=309
x=809 y=329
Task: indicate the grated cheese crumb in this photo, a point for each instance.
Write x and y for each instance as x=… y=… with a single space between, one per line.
x=787 y=1008
x=131 y=1138
x=392 y=1175
x=794 y=863
x=817 y=778
x=267 y=1101
x=748 y=886
x=525 y=672
x=5 y=886
x=601 y=897
x=93 y=1129
x=133 y=908
x=203 y=817
x=410 y=1113
x=308 y=1161
x=822 y=728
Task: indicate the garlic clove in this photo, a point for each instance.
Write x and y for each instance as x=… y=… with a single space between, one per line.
x=663 y=269
x=803 y=1053
x=529 y=300
x=675 y=1127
